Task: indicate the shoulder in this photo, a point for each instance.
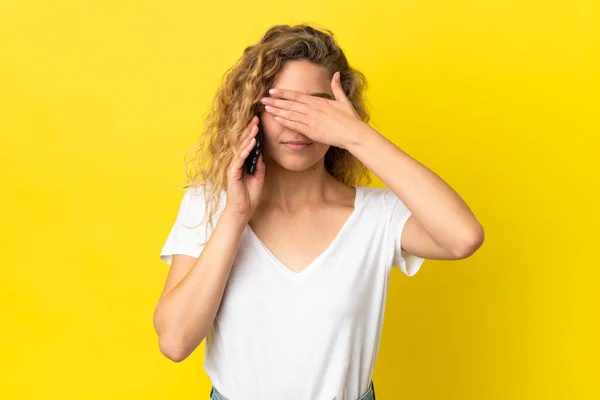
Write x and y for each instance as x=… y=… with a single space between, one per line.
x=375 y=195
x=381 y=202
x=371 y=191
x=196 y=200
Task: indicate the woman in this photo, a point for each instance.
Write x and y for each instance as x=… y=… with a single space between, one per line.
x=285 y=271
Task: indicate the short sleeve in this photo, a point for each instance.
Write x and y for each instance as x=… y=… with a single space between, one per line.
x=398 y=214
x=187 y=235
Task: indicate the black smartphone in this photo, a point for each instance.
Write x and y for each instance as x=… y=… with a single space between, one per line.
x=252 y=159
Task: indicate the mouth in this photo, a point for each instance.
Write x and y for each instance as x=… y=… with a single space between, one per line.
x=297 y=142
x=296 y=145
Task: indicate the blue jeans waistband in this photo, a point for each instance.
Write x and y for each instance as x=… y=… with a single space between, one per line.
x=369 y=395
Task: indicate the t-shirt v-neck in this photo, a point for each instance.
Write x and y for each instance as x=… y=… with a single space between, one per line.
x=309 y=335
x=316 y=262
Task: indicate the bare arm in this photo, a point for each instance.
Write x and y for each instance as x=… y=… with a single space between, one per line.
x=441 y=226
x=194 y=288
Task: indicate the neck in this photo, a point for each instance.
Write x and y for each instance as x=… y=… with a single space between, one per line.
x=289 y=189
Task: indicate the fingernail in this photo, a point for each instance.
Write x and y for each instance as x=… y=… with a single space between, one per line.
x=264 y=100
x=268 y=108
x=272 y=91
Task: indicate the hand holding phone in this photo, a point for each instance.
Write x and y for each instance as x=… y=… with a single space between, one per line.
x=243 y=190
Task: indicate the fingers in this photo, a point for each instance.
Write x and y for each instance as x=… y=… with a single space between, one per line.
x=238 y=161
x=292 y=95
x=241 y=158
x=270 y=102
x=287 y=114
x=244 y=146
x=293 y=125
x=337 y=89
x=247 y=133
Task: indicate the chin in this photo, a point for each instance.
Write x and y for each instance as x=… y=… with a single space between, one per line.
x=298 y=167
x=296 y=164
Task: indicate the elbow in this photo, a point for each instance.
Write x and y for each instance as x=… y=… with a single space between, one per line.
x=174 y=350
x=470 y=243
x=174 y=341
x=173 y=354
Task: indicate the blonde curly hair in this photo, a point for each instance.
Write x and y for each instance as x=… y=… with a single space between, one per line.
x=238 y=99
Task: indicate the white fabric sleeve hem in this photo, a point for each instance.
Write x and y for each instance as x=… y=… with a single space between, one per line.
x=181 y=240
x=185 y=236
x=167 y=257
x=407 y=263
x=399 y=215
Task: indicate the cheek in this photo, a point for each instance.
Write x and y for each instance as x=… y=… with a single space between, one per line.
x=321 y=149
x=271 y=128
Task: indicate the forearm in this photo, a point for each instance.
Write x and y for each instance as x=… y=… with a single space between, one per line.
x=434 y=204
x=185 y=315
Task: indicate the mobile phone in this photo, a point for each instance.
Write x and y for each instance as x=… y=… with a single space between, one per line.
x=252 y=159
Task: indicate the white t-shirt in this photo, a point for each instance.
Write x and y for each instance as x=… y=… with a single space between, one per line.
x=309 y=335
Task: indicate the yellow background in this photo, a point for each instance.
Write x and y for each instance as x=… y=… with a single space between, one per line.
x=99 y=100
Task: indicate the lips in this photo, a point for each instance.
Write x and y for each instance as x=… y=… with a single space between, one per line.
x=297 y=142
x=296 y=145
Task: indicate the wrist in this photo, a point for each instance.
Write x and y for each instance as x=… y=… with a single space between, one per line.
x=234 y=218
x=360 y=137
